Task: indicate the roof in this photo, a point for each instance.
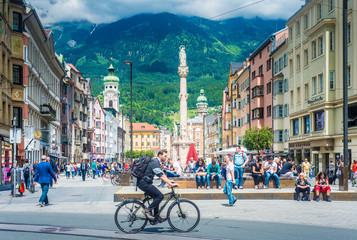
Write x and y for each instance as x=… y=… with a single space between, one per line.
x=195 y=120
x=210 y=118
x=261 y=46
x=236 y=66
x=80 y=89
x=47 y=31
x=73 y=67
x=139 y=127
x=111 y=75
x=202 y=99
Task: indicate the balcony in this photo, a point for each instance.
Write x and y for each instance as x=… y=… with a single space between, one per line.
x=259 y=80
x=48 y=112
x=78 y=142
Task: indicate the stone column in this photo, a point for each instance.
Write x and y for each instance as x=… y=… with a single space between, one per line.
x=183 y=71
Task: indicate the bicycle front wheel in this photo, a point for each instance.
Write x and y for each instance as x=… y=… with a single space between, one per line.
x=129 y=216
x=116 y=180
x=183 y=216
x=106 y=177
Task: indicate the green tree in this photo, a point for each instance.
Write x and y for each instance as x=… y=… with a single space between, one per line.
x=257 y=138
x=138 y=154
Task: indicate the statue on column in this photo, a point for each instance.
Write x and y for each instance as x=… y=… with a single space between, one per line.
x=182 y=56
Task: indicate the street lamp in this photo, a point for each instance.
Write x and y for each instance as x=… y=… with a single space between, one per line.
x=128 y=62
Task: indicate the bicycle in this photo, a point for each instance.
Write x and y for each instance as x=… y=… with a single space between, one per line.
x=106 y=176
x=132 y=218
x=116 y=178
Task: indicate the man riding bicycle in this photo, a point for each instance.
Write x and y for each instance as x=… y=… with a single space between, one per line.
x=146 y=184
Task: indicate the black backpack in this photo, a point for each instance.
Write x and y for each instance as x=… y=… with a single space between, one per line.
x=27 y=172
x=140 y=166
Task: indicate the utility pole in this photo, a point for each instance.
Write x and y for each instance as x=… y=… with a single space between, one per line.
x=122 y=135
x=14 y=161
x=204 y=136
x=344 y=186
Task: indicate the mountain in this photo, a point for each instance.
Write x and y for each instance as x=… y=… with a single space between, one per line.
x=152 y=42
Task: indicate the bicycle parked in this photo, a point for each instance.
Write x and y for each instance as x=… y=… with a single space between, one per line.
x=182 y=215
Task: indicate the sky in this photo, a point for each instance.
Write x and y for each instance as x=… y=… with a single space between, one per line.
x=106 y=11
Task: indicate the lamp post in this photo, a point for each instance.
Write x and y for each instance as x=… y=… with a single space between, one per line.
x=128 y=62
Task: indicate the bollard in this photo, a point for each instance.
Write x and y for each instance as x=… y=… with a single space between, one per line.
x=125 y=178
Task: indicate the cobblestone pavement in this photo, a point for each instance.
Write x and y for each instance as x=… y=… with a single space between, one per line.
x=90 y=204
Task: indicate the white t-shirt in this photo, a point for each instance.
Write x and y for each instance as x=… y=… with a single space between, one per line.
x=178 y=167
x=272 y=165
x=229 y=168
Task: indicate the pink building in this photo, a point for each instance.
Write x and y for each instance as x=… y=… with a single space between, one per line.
x=261 y=97
x=97 y=139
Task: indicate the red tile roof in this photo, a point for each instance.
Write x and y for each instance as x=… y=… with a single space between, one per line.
x=80 y=89
x=144 y=127
x=47 y=31
x=73 y=67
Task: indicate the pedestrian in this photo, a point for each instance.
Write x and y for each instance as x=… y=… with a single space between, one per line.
x=230 y=181
x=84 y=170
x=73 y=170
x=44 y=175
x=354 y=173
x=27 y=170
x=68 y=170
x=305 y=168
x=240 y=160
x=19 y=178
x=94 y=168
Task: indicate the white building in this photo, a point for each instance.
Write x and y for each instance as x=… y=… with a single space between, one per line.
x=97 y=118
x=111 y=137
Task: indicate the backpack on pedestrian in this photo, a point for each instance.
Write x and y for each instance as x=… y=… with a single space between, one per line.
x=27 y=172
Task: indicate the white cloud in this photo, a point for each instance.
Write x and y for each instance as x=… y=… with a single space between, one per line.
x=102 y=11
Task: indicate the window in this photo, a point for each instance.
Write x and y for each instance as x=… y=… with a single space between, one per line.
x=332 y=80
x=314 y=49
x=261 y=70
x=253 y=61
x=17 y=74
x=258 y=113
x=278 y=87
x=278 y=111
x=319 y=11
x=349 y=75
x=97 y=124
x=280 y=136
x=286 y=84
x=260 y=55
x=307 y=124
x=296 y=127
x=306 y=57
x=17 y=22
x=298 y=62
x=298 y=28
x=97 y=137
x=64 y=89
x=269 y=88
x=306 y=91
x=17 y=112
x=291 y=67
x=332 y=42
x=64 y=108
x=64 y=129
x=349 y=36
x=268 y=64
x=292 y=97
x=298 y=95
x=269 y=111
x=321 y=83
x=314 y=85
x=253 y=74
x=286 y=111
x=285 y=60
x=98 y=150
x=306 y=21
x=330 y=5
x=319 y=120
x=321 y=45
x=291 y=34
x=258 y=91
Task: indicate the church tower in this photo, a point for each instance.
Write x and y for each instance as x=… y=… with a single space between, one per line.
x=111 y=90
x=202 y=104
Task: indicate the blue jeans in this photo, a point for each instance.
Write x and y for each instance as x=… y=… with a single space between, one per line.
x=171 y=174
x=44 y=198
x=275 y=176
x=238 y=174
x=217 y=176
x=200 y=179
x=68 y=174
x=72 y=174
x=228 y=191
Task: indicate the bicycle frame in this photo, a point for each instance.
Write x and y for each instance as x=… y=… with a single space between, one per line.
x=171 y=195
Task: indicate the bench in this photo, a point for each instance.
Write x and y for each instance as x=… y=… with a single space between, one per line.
x=189 y=181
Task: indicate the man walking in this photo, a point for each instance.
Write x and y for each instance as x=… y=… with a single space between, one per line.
x=44 y=175
x=240 y=160
x=94 y=168
x=84 y=170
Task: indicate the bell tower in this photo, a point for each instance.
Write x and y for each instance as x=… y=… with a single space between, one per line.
x=111 y=90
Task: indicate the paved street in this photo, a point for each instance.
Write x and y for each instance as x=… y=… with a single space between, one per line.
x=85 y=210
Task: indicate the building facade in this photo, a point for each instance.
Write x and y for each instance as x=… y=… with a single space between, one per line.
x=98 y=124
x=146 y=137
x=315 y=82
x=111 y=137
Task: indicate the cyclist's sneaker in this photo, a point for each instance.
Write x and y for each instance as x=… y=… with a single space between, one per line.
x=149 y=215
x=160 y=219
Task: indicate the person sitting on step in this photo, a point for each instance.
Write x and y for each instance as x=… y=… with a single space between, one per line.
x=258 y=172
x=200 y=170
x=302 y=186
x=213 y=171
x=270 y=169
x=322 y=185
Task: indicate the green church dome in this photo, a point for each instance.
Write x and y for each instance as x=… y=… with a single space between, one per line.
x=202 y=99
x=111 y=77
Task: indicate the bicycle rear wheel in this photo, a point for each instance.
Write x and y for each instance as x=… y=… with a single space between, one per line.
x=106 y=177
x=129 y=216
x=116 y=180
x=183 y=216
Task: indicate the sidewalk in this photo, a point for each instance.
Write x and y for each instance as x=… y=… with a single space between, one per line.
x=248 y=193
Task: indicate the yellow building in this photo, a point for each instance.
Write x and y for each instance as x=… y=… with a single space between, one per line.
x=146 y=137
x=315 y=81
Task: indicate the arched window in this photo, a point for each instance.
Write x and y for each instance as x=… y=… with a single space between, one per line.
x=110 y=103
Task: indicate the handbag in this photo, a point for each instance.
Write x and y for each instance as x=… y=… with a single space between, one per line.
x=201 y=174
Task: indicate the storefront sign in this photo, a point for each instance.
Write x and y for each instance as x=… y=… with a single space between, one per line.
x=313 y=100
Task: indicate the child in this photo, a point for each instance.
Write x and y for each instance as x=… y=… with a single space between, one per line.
x=229 y=181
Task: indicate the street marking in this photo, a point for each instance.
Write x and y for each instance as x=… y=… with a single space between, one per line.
x=119 y=190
